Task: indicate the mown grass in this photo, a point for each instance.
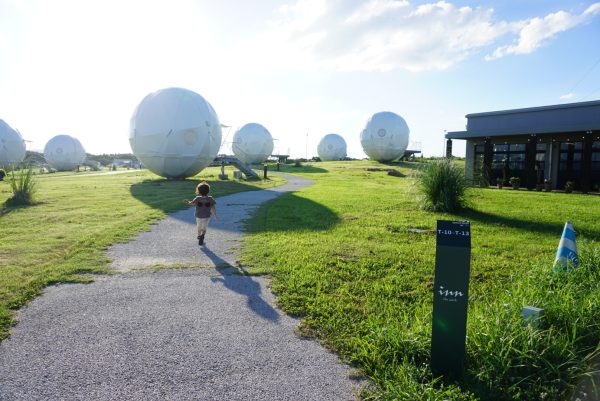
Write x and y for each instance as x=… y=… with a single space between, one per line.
x=363 y=282
x=76 y=217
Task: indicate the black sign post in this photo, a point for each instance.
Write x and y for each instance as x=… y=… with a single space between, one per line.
x=450 y=297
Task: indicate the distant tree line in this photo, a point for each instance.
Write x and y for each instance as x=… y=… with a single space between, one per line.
x=106 y=159
x=37 y=158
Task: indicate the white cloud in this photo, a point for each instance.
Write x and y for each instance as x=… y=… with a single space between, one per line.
x=375 y=8
x=382 y=35
x=567 y=96
x=534 y=32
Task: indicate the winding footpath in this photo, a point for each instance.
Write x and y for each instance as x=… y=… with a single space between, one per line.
x=170 y=334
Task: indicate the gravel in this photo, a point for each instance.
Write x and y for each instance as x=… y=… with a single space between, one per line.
x=187 y=334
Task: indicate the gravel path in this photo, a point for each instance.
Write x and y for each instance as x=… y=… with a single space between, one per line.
x=191 y=334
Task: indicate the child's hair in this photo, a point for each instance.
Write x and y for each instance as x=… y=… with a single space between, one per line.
x=203 y=188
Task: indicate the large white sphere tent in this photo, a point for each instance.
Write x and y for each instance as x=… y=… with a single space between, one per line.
x=175 y=133
x=332 y=147
x=385 y=137
x=63 y=152
x=12 y=146
x=252 y=143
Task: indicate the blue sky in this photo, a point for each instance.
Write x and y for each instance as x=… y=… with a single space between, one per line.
x=302 y=68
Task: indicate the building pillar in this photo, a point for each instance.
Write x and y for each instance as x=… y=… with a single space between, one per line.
x=470 y=162
x=586 y=167
x=530 y=153
x=488 y=150
x=554 y=163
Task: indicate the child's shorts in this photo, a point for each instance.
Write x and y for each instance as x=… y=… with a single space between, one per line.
x=202 y=223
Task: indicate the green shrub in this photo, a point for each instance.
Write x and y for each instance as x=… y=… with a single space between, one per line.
x=23 y=187
x=443 y=186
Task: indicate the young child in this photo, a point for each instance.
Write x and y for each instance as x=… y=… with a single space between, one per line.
x=204 y=205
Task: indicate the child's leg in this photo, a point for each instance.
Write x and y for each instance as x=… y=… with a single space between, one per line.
x=201 y=225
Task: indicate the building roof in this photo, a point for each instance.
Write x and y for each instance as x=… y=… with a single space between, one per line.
x=570 y=117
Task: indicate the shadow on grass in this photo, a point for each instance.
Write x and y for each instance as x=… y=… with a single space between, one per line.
x=5 y=208
x=243 y=285
x=168 y=195
x=511 y=222
x=407 y=165
x=289 y=168
x=291 y=212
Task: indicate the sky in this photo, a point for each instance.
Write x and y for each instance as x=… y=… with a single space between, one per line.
x=301 y=68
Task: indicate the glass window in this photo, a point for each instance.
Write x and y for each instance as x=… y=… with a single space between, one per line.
x=540 y=147
x=517 y=147
x=500 y=148
x=563 y=166
x=596 y=145
x=595 y=166
x=499 y=157
x=515 y=157
x=517 y=166
x=596 y=156
x=576 y=166
x=564 y=145
x=540 y=157
x=577 y=156
x=578 y=145
x=479 y=148
x=564 y=156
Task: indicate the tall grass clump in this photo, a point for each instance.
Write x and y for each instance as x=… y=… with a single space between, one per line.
x=23 y=187
x=443 y=187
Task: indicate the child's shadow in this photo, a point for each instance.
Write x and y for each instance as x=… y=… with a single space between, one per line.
x=241 y=284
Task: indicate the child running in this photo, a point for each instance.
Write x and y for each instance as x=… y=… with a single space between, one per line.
x=204 y=205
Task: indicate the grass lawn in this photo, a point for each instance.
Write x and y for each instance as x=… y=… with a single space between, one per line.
x=343 y=258
x=76 y=217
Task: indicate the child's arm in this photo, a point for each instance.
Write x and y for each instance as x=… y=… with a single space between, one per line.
x=214 y=211
x=189 y=202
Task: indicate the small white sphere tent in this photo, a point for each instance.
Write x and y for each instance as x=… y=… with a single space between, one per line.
x=63 y=152
x=332 y=147
x=385 y=137
x=252 y=143
x=175 y=133
x=12 y=146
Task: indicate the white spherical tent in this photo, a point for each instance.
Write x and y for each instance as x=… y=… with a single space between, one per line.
x=332 y=147
x=252 y=143
x=385 y=137
x=63 y=152
x=175 y=133
x=12 y=146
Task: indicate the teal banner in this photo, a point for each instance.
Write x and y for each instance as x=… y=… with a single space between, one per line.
x=450 y=297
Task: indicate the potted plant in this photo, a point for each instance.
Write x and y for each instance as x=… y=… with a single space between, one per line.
x=547 y=185
x=500 y=182
x=569 y=185
x=515 y=182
